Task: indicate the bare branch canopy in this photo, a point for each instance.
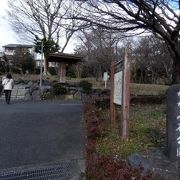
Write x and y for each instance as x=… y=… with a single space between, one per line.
x=136 y=16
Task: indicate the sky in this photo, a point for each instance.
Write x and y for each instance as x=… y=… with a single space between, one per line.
x=8 y=36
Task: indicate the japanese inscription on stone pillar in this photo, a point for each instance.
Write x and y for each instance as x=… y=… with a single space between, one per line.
x=178 y=125
x=173 y=122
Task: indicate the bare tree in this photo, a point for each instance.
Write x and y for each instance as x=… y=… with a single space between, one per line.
x=99 y=47
x=43 y=18
x=132 y=17
x=152 y=61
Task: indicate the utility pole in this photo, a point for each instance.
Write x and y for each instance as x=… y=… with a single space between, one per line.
x=41 y=66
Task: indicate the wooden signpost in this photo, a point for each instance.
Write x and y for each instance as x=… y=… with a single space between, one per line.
x=120 y=94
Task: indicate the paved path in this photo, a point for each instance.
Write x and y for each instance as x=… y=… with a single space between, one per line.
x=38 y=133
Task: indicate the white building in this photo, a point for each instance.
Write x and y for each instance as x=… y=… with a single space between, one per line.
x=10 y=49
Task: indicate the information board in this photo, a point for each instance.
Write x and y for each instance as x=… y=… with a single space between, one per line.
x=118 y=88
x=105 y=76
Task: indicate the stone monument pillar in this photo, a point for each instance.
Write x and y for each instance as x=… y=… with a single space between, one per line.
x=173 y=122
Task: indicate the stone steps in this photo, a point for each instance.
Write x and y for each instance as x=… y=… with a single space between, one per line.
x=18 y=92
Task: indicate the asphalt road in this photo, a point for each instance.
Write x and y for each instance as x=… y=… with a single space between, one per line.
x=33 y=133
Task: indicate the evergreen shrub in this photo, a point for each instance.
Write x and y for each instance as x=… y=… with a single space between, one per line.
x=86 y=87
x=58 y=89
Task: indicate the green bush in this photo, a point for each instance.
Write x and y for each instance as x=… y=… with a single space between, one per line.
x=2 y=69
x=86 y=87
x=71 y=72
x=15 y=70
x=52 y=71
x=58 y=89
x=37 y=70
x=87 y=72
x=47 y=96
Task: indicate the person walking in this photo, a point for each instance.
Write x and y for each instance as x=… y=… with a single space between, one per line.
x=8 y=84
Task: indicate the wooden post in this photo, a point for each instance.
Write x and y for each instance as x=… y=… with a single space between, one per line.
x=125 y=98
x=62 y=73
x=112 y=105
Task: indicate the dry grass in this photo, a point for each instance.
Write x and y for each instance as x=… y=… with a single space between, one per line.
x=148 y=89
x=32 y=77
x=96 y=84
x=135 y=89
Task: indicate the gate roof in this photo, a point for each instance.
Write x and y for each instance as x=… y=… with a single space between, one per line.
x=64 y=58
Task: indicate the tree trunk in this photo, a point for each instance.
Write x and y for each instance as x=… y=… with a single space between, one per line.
x=77 y=71
x=176 y=72
x=99 y=74
x=45 y=66
x=142 y=76
x=174 y=49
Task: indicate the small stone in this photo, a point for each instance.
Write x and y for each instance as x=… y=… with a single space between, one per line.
x=138 y=161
